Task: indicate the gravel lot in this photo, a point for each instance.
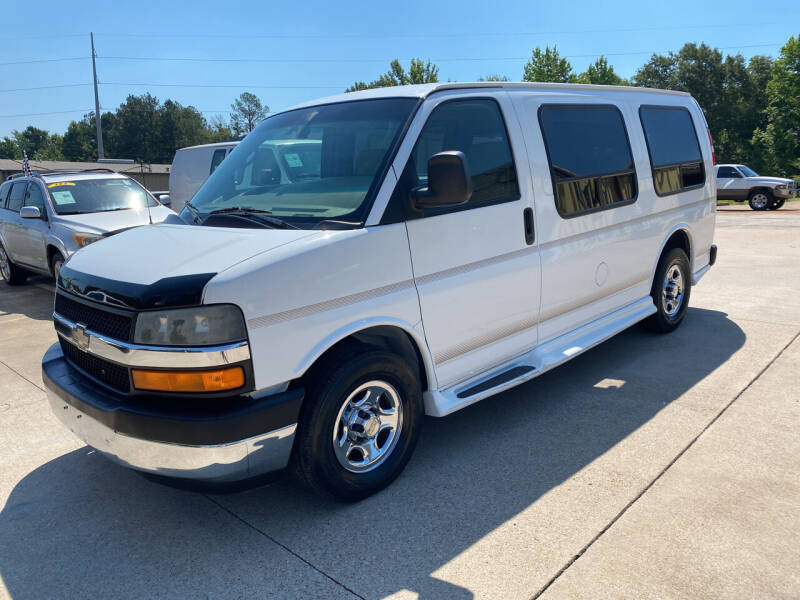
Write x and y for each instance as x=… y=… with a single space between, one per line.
x=650 y=467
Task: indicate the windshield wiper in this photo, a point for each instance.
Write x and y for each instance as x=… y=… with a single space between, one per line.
x=254 y=214
x=195 y=213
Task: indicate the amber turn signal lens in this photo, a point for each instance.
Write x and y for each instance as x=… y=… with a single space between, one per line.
x=217 y=380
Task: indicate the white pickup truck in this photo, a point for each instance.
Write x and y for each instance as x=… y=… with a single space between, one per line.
x=740 y=183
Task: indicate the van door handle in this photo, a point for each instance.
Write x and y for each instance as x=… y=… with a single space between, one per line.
x=527 y=217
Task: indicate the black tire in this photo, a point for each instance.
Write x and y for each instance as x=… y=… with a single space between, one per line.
x=11 y=273
x=776 y=204
x=56 y=262
x=759 y=199
x=664 y=320
x=314 y=460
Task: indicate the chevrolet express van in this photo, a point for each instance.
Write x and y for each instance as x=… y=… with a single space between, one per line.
x=431 y=246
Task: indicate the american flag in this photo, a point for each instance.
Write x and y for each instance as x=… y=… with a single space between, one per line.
x=26 y=167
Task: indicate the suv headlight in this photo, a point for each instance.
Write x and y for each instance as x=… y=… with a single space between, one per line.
x=211 y=325
x=783 y=186
x=84 y=239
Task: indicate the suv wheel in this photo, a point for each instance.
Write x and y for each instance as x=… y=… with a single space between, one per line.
x=12 y=274
x=55 y=265
x=672 y=286
x=359 y=424
x=760 y=199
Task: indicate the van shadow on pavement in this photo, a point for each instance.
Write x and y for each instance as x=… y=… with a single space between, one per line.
x=78 y=522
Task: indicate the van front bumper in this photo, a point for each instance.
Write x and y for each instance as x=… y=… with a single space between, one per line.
x=216 y=440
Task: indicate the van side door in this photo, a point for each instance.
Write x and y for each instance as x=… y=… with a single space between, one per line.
x=476 y=270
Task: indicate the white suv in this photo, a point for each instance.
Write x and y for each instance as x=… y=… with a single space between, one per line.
x=433 y=246
x=740 y=183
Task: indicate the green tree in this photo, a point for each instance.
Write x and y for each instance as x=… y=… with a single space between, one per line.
x=248 y=111
x=547 y=66
x=80 y=143
x=779 y=140
x=132 y=130
x=9 y=148
x=418 y=72
x=177 y=126
x=494 y=78
x=600 y=73
x=38 y=143
x=218 y=129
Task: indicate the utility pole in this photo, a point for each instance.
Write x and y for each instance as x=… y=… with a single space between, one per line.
x=100 y=153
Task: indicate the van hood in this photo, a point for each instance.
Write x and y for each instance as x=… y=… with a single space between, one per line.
x=115 y=220
x=165 y=265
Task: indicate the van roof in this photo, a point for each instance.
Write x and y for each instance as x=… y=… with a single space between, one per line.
x=426 y=89
x=214 y=145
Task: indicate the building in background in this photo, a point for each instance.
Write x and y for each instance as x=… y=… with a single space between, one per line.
x=153 y=177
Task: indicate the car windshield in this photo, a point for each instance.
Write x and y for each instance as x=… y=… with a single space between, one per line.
x=747 y=171
x=308 y=165
x=81 y=196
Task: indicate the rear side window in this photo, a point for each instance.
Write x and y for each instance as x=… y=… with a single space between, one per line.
x=476 y=128
x=4 y=188
x=591 y=164
x=674 y=150
x=216 y=159
x=16 y=196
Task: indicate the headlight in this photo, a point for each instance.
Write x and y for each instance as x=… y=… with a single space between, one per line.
x=782 y=187
x=212 y=325
x=84 y=239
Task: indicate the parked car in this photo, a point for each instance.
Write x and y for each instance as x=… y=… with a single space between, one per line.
x=447 y=242
x=740 y=183
x=191 y=167
x=47 y=217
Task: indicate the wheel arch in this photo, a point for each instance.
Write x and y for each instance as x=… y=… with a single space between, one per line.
x=389 y=333
x=680 y=236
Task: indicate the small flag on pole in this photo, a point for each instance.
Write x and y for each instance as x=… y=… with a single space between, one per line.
x=26 y=167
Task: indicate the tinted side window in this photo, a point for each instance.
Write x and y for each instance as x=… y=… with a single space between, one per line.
x=476 y=128
x=4 y=188
x=34 y=197
x=591 y=164
x=674 y=150
x=16 y=196
x=216 y=159
x=727 y=172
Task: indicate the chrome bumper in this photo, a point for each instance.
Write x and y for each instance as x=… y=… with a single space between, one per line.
x=219 y=463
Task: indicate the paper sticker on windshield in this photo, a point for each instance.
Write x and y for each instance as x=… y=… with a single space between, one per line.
x=58 y=183
x=293 y=160
x=62 y=197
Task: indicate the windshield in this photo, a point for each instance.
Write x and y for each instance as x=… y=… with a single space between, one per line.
x=747 y=171
x=309 y=165
x=97 y=195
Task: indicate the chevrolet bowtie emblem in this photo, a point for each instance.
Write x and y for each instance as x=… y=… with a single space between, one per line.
x=80 y=337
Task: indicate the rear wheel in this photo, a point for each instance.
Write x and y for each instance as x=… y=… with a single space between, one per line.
x=359 y=424
x=672 y=286
x=11 y=273
x=760 y=199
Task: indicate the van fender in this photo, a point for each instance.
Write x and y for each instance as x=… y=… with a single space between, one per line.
x=678 y=227
x=417 y=338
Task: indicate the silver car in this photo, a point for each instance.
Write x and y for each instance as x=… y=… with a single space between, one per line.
x=740 y=183
x=47 y=217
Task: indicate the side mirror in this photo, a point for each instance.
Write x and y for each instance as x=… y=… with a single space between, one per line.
x=737 y=175
x=30 y=212
x=449 y=183
x=164 y=199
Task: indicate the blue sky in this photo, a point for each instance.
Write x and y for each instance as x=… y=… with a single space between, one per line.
x=317 y=48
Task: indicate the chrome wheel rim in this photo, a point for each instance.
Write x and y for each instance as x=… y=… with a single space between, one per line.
x=368 y=426
x=672 y=290
x=5 y=268
x=760 y=200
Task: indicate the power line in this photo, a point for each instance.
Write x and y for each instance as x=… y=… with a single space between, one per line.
x=228 y=85
x=90 y=110
x=43 y=60
x=45 y=87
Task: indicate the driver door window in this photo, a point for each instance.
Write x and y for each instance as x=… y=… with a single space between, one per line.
x=35 y=198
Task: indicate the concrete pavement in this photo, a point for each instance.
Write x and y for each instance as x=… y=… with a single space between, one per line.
x=667 y=464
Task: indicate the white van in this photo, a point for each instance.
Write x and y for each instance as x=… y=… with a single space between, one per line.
x=431 y=246
x=191 y=167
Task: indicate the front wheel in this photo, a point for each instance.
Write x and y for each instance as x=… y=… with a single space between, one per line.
x=672 y=286
x=11 y=273
x=776 y=204
x=760 y=199
x=55 y=265
x=359 y=424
